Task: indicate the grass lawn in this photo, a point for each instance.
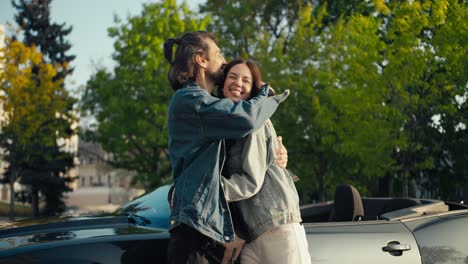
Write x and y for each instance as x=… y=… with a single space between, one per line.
x=20 y=209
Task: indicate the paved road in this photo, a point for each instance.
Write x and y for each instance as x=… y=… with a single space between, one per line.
x=5 y=219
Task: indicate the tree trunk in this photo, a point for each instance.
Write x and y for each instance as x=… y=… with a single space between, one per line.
x=405 y=184
x=322 y=173
x=34 y=202
x=384 y=186
x=4 y=192
x=11 y=211
x=147 y=186
x=322 y=188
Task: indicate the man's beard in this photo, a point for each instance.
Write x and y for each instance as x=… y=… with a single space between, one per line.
x=216 y=77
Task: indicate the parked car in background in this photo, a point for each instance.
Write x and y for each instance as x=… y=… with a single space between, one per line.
x=349 y=229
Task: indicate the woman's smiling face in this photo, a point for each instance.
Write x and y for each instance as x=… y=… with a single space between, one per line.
x=238 y=83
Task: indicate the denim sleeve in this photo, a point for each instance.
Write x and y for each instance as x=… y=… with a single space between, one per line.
x=253 y=168
x=222 y=118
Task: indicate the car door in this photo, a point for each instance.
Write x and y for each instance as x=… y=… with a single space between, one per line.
x=381 y=242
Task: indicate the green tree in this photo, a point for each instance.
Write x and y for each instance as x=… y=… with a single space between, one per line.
x=250 y=29
x=346 y=8
x=50 y=38
x=339 y=126
x=32 y=102
x=424 y=72
x=130 y=104
x=449 y=175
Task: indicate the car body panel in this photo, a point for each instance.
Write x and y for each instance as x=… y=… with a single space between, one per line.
x=443 y=240
x=360 y=241
x=25 y=241
x=151 y=210
x=130 y=249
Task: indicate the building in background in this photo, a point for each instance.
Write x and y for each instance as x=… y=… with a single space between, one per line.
x=99 y=187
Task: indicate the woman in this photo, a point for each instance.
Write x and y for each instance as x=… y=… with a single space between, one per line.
x=264 y=200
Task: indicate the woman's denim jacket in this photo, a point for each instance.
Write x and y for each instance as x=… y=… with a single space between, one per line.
x=263 y=194
x=198 y=124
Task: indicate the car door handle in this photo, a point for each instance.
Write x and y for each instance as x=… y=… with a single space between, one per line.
x=395 y=248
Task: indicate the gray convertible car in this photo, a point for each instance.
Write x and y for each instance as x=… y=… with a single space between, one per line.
x=349 y=229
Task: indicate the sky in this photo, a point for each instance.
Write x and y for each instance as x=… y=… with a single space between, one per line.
x=90 y=20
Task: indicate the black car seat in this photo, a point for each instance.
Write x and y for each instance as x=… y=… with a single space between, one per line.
x=347 y=205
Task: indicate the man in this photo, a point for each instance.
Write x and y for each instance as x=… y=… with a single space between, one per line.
x=198 y=124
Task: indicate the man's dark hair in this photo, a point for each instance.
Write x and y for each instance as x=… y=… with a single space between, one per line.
x=183 y=67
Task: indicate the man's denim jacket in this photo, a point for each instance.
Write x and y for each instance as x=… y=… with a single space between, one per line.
x=198 y=124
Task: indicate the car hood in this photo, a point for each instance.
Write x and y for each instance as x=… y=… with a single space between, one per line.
x=52 y=223
x=150 y=210
x=67 y=229
x=41 y=221
x=146 y=214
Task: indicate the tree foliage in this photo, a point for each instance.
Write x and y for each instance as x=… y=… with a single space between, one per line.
x=249 y=29
x=424 y=74
x=32 y=103
x=50 y=38
x=48 y=162
x=130 y=102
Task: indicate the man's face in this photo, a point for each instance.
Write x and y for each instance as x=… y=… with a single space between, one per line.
x=216 y=62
